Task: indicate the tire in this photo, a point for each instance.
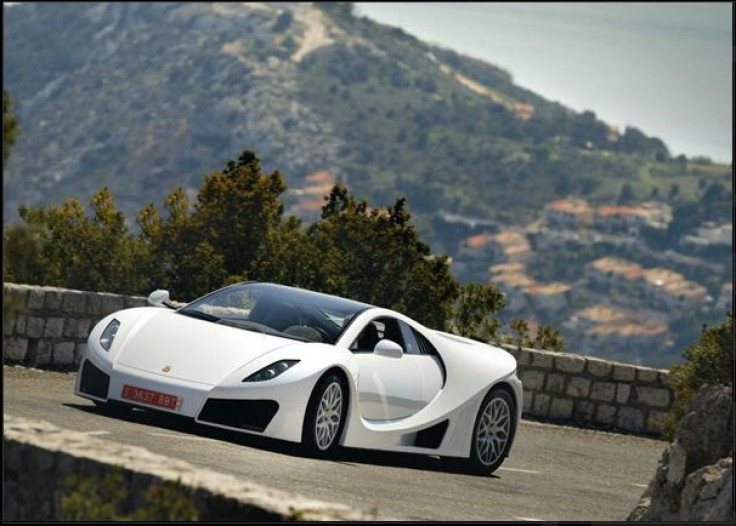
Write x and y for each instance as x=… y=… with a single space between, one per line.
x=325 y=416
x=493 y=432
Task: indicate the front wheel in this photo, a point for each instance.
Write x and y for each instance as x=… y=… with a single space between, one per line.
x=325 y=416
x=492 y=432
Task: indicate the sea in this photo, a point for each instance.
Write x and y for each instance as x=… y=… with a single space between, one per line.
x=665 y=68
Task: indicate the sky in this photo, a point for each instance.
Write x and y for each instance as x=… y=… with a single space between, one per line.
x=665 y=68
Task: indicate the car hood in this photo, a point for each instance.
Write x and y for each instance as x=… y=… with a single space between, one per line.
x=178 y=346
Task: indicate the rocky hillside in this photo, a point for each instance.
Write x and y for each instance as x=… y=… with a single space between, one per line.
x=147 y=97
x=694 y=480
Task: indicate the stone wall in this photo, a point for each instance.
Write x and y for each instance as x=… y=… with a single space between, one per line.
x=587 y=391
x=48 y=327
x=38 y=457
x=51 y=325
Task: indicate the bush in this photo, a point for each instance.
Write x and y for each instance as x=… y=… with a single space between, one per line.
x=103 y=499
x=709 y=362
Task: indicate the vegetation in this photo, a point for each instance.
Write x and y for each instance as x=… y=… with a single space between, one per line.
x=236 y=231
x=709 y=362
x=103 y=498
x=547 y=337
x=383 y=110
x=474 y=305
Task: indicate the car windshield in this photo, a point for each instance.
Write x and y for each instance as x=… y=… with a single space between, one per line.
x=277 y=310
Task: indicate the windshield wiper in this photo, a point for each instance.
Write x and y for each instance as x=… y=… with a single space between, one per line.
x=199 y=314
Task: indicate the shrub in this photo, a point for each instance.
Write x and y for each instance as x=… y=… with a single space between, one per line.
x=91 y=498
x=709 y=362
x=549 y=339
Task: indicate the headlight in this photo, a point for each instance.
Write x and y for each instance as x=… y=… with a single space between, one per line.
x=272 y=371
x=108 y=335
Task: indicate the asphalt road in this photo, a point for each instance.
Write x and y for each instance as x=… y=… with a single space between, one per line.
x=554 y=473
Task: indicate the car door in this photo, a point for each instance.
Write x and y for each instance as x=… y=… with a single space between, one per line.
x=388 y=387
x=427 y=361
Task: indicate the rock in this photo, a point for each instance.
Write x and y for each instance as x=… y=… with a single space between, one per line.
x=599 y=368
x=533 y=380
x=703 y=488
x=706 y=430
x=604 y=391
x=653 y=396
x=694 y=480
x=676 y=471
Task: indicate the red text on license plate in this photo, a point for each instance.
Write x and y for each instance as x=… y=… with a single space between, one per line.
x=146 y=396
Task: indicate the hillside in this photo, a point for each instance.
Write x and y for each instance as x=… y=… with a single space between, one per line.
x=147 y=97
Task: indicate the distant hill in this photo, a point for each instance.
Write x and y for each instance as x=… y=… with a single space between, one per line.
x=147 y=97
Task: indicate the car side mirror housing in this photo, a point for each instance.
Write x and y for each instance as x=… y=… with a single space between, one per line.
x=159 y=298
x=388 y=348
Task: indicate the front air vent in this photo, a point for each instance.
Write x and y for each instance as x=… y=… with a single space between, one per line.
x=252 y=415
x=431 y=437
x=94 y=382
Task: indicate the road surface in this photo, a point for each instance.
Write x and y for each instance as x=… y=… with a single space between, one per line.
x=554 y=473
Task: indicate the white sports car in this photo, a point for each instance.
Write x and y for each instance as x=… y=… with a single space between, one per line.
x=307 y=367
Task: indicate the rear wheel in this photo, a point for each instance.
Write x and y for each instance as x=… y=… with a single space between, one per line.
x=492 y=432
x=325 y=416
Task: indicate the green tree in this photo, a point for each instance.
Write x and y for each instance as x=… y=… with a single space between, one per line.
x=10 y=125
x=376 y=256
x=475 y=309
x=634 y=141
x=289 y=256
x=23 y=247
x=627 y=194
x=549 y=339
x=95 y=253
x=237 y=209
x=182 y=261
x=519 y=333
x=709 y=362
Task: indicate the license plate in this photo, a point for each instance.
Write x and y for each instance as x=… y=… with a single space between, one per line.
x=146 y=396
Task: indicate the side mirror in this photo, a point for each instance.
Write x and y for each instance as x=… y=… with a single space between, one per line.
x=388 y=348
x=159 y=298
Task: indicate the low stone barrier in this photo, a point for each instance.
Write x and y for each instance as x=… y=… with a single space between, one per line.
x=50 y=326
x=582 y=390
x=38 y=457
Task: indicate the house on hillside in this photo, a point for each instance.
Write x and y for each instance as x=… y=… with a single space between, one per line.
x=548 y=298
x=648 y=336
x=568 y=214
x=670 y=290
x=306 y=202
x=660 y=287
x=513 y=284
x=607 y=272
x=503 y=247
x=609 y=330
x=628 y=220
x=710 y=235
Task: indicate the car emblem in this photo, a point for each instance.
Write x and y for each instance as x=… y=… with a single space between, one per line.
x=166 y=369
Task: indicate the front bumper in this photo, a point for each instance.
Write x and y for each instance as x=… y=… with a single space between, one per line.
x=276 y=411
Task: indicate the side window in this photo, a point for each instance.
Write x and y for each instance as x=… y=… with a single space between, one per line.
x=412 y=347
x=424 y=346
x=376 y=330
x=368 y=338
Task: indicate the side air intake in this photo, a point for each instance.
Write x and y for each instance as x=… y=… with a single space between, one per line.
x=432 y=436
